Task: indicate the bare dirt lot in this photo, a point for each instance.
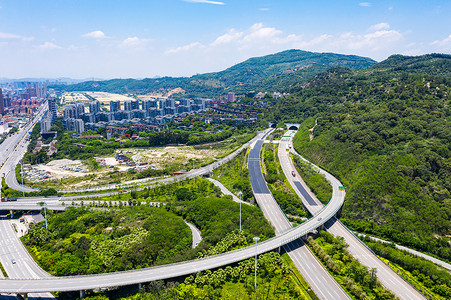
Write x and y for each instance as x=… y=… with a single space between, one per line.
x=63 y=168
x=164 y=156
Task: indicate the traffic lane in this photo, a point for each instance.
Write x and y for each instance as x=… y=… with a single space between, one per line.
x=322 y=283
x=9 y=256
x=389 y=278
x=254 y=153
x=386 y=275
x=304 y=193
x=287 y=168
x=256 y=178
x=24 y=266
x=273 y=213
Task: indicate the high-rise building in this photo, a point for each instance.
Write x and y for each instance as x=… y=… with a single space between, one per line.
x=115 y=105
x=79 y=126
x=52 y=108
x=169 y=103
x=2 y=105
x=46 y=123
x=70 y=111
x=128 y=105
x=135 y=104
x=230 y=97
x=94 y=107
x=80 y=108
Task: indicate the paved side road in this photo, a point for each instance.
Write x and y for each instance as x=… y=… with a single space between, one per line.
x=197 y=237
x=414 y=252
x=226 y=191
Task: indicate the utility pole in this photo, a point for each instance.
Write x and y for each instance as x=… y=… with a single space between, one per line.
x=256 y=239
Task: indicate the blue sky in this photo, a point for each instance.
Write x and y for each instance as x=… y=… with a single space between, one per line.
x=137 y=38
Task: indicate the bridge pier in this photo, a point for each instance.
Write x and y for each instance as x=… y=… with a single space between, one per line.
x=140 y=285
x=24 y=296
x=82 y=294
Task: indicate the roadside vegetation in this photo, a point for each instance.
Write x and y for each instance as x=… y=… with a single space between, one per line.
x=357 y=279
x=90 y=240
x=317 y=183
x=279 y=185
x=234 y=175
x=8 y=192
x=432 y=280
x=275 y=280
x=85 y=241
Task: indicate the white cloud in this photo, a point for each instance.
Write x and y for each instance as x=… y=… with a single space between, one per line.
x=316 y=41
x=49 y=46
x=12 y=36
x=373 y=41
x=365 y=4
x=264 y=9
x=231 y=36
x=446 y=41
x=134 y=42
x=205 y=1
x=380 y=26
x=443 y=46
x=183 y=48
x=97 y=34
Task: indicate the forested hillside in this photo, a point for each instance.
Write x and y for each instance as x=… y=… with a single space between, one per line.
x=385 y=131
x=268 y=73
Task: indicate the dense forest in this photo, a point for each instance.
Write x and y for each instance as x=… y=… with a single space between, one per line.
x=267 y=73
x=386 y=134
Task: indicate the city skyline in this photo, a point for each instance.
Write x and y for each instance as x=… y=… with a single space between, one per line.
x=113 y=39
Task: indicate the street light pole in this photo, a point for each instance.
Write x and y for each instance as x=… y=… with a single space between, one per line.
x=256 y=239
x=240 y=209
x=21 y=176
x=45 y=215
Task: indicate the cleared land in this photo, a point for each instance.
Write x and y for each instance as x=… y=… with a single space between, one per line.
x=65 y=173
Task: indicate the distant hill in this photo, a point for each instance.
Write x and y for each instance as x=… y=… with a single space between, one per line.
x=266 y=73
x=431 y=64
x=385 y=131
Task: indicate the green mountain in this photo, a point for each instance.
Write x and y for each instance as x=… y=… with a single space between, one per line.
x=266 y=73
x=385 y=132
x=432 y=64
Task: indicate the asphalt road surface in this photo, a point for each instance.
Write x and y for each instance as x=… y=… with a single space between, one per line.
x=321 y=282
x=197 y=237
x=13 y=149
x=16 y=260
